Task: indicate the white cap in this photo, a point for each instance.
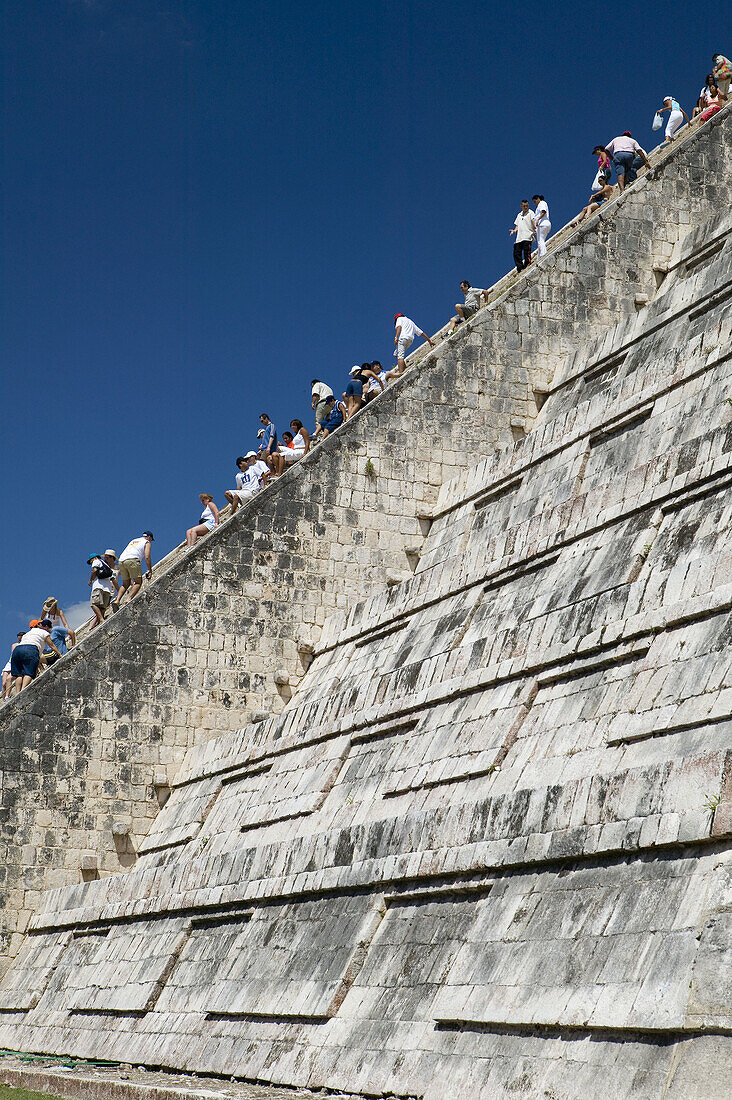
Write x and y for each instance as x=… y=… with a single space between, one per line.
x=260 y=433
x=355 y=369
x=667 y=97
x=110 y=553
x=250 y=454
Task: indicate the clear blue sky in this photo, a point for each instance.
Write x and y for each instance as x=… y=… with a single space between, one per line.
x=206 y=203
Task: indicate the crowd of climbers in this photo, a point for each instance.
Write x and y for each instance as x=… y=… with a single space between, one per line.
x=113 y=578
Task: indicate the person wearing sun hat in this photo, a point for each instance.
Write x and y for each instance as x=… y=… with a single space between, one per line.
x=27 y=654
x=60 y=629
x=676 y=117
x=404 y=332
x=103 y=583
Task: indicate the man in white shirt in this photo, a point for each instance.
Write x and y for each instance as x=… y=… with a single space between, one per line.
x=625 y=150
x=474 y=299
x=524 y=229
x=103 y=583
x=130 y=567
x=404 y=332
x=320 y=391
x=247 y=481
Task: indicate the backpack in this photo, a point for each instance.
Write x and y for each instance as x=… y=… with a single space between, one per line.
x=104 y=570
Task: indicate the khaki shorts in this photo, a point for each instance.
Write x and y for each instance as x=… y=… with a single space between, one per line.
x=321 y=412
x=403 y=347
x=130 y=570
x=100 y=598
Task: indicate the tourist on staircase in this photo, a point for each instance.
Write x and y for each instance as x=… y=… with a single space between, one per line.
x=404 y=332
x=474 y=299
x=60 y=629
x=130 y=567
x=542 y=224
x=676 y=117
x=26 y=655
x=604 y=167
x=524 y=230
x=319 y=391
x=209 y=519
x=722 y=72
x=715 y=102
x=103 y=583
x=297 y=446
x=333 y=419
x=377 y=384
x=594 y=203
x=268 y=441
x=7 y=674
x=624 y=149
x=247 y=481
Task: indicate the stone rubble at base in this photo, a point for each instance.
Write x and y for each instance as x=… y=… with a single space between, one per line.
x=484 y=848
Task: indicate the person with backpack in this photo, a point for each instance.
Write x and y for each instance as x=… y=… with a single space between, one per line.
x=103 y=583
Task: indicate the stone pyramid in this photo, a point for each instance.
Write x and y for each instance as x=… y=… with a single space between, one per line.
x=483 y=848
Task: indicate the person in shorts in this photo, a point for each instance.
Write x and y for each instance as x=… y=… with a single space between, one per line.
x=625 y=151
x=333 y=420
x=320 y=391
x=474 y=299
x=7 y=674
x=247 y=481
x=61 y=632
x=404 y=332
x=103 y=583
x=26 y=656
x=130 y=567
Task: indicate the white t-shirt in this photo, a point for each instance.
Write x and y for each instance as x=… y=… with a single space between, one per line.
x=134 y=549
x=541 y=214
x=105 y=583
x=260 y=467
x=525 y=225
x=248 y=479
x=409 y=329
x=321 y=391
x=36 y=636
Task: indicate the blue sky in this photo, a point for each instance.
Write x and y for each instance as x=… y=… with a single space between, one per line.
x=206 y=203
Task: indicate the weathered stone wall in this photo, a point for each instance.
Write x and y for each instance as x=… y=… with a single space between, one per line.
x=486 y=847
x=82 y=750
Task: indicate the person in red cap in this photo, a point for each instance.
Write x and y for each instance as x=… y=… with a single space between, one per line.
x=404 y=332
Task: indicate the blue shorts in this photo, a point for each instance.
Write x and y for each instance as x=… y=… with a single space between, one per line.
x=354 y=389
x=333 y=422
x=24 y=661
x=624 y=165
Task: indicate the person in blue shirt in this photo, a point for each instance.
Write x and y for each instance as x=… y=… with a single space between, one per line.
x=676 y=117
x=268 y=442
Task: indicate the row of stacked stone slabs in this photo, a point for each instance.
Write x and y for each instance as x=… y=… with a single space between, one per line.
x=486 y=845
x=81 y=750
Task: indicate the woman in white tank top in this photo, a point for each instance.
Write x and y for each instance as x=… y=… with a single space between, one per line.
x=209 y=519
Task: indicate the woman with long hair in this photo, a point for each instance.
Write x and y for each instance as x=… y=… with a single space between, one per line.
x=209 y=519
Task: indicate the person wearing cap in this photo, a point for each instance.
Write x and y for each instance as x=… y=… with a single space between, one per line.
x=60 y=629
x=247 y=481
x=624 y=150
x=130 y=567
x=103 y=583
x=676 y=117
x=359 y=377
x=26 y=656
x=404 y=332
